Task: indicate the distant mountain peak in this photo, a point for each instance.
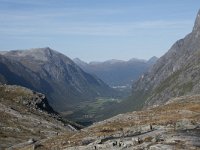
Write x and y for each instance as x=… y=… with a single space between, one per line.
x=79 y=61
x=152 y=59
x=197 y=22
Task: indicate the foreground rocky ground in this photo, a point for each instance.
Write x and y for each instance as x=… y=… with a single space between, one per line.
x=26 y=117
x=175 y=125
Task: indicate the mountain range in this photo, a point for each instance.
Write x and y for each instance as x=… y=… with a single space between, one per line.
x=117 y=72
x=52 y=73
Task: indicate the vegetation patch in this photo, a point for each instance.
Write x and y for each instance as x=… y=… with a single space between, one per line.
x=90 y=111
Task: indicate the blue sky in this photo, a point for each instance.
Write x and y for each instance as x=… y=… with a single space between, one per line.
x=96 y=30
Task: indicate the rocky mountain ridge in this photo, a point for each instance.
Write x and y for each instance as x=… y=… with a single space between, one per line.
x=117 y=72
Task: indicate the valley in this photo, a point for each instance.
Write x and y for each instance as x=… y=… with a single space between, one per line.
x=175 y=125
x=54 y=74
x=88 y=112
x=49 y=101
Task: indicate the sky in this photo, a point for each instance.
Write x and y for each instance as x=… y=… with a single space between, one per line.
x=96 y=30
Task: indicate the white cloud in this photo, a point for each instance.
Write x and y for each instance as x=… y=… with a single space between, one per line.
x=98 y=29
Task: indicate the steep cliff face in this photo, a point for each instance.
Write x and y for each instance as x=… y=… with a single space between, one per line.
x=53 y=74
x=174 y=74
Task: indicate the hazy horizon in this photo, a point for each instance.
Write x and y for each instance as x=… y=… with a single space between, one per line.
x=96 y=30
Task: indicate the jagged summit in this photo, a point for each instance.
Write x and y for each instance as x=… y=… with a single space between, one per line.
x=197 y=22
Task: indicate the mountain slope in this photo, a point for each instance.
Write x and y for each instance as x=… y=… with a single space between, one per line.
x=26 y=115
x=174 y=74
x=117 y=72
x=53 y=74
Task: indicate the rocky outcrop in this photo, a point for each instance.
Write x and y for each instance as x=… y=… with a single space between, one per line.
x=37 y=101
x=26 y=115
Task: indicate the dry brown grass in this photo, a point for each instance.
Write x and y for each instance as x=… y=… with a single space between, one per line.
x=148 y=139
x=164 y=115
